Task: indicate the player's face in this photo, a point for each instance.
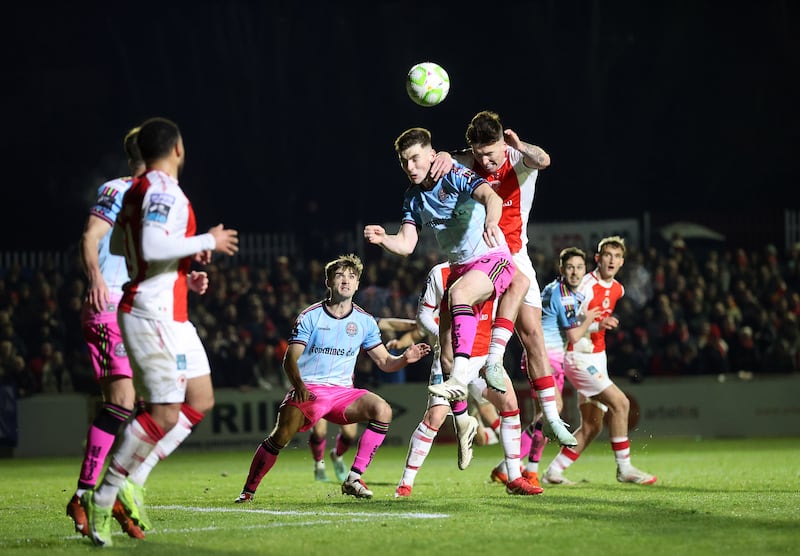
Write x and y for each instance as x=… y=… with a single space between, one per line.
x=490 y=155
x=609 y=261
x=573 y=271
x=344 y=284
x=416 y=162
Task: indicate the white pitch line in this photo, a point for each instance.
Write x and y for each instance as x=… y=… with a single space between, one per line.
x=404 y=515
x=349 y=517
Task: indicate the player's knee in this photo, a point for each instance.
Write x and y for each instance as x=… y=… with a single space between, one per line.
x=383 y=412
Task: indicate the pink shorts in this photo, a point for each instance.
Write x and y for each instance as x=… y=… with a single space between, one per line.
x=329 y=403
x=106 y=350
x=556 y=359
x=497 y=265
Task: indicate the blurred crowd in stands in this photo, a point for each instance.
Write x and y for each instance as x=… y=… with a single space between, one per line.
x=685 y=312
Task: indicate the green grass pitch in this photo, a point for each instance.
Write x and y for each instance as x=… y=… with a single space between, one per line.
x=713 y=497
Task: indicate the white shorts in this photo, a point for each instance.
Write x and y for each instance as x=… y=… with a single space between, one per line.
x=476 y=386
x=524 y=265
x=164 y=355
x=588 y=372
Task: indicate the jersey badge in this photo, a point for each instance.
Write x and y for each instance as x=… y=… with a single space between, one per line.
x=160 y=205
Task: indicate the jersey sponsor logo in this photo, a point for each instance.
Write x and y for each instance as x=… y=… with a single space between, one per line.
x=509 y=203
x=338 y=352
x=160 y=205
x=351 y=329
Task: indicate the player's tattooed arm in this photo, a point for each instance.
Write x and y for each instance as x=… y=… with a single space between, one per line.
x=535 y=156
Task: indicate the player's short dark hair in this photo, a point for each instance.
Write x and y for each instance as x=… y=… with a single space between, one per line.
x=568 y=253
x=411 y=137
x=350 y=261
x=485 y=128
x=156 y=137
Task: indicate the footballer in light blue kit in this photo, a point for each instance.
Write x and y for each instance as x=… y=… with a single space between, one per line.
x=107 y=207
x=319 y=363
x=463 y=211
x=449 y=209
x=332 y=344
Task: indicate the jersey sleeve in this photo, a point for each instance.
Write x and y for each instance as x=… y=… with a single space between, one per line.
x=164 y=223
x=430 y=300
x=372 y=334
x=410 y=216
x=109 y=200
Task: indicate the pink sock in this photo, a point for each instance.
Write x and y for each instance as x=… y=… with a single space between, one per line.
x=342 y=445
x=370 y=441
x=99 y=440
x=539 y=442
x=465 y=323
x=317 y=446
x=263 y=460
x=525 y=442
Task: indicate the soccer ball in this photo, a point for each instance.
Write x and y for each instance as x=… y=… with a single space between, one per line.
x=427 y=84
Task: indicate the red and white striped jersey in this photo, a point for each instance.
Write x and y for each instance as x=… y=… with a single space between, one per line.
x=515 y=183
x=156 y=228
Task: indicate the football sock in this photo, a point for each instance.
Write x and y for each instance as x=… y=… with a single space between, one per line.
x=263 y=460
x=188 y=418
x=465 y=323
x=510 y=431
x=368 y=444
x=564 y=458
x=418 y=449
x=545 y=388
x=317 y=445
x=622 y=451
x=99 y=440
x=342 y=444
x=139 y=438
x=537 y=447
x=502 y=330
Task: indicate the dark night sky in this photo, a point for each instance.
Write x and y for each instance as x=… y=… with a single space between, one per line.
x=644 y=106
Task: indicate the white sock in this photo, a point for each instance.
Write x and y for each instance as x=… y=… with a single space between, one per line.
x=510 y=433
x=165 y=447
x=418 y=449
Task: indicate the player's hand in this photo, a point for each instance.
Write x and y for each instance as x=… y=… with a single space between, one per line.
x=374 y=234
x=226 y=240
x=512 y=139
x=493 y=236
x=198 y=281
x=302 y=394
x=609 y=323
x=416 y=352
x=97 y=296
x=203 y=257
x=442 y=164
x=594 y=313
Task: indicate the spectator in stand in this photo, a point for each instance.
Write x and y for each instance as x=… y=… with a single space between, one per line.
x=13 y=371
x=744 y=354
